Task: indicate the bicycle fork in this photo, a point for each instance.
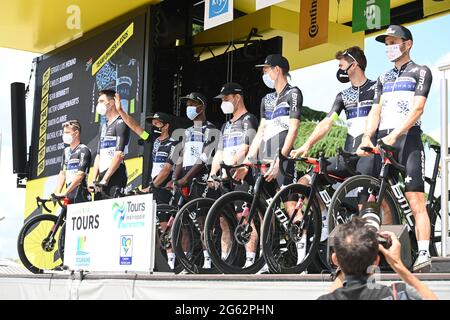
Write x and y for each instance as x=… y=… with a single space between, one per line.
x=48 y=244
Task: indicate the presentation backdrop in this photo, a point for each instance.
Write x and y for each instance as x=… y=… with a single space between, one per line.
x=67 y=86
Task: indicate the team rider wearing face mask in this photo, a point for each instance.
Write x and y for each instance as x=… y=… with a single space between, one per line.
x=280 y=120
x=356 y=101
x=399 y=101
x=109 y=167
x=236 y=136
x=237 y=133
x=75 y=164
x=163 y=147
x=197 y=146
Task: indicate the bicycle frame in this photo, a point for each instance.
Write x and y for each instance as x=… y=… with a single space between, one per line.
x=389 y=179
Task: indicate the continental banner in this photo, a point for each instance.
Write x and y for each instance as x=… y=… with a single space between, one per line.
x=368 y=15
x=313 y=23
x=432 y=6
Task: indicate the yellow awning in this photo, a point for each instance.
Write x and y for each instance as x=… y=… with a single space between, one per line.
x=42 y=25
x=340 y=11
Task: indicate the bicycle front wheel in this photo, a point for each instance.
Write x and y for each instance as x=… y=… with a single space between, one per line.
x=353 y=193
x=230 y=239
x=37 y=244
x=163 y=241
x=289 y=248
x=187 y=236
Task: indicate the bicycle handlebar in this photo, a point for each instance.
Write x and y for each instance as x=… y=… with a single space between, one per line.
x=41 y=202
x=386 y=151
x=346 y=156
x=57 y=199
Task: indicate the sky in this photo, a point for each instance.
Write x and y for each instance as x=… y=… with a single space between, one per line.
x=431 y=47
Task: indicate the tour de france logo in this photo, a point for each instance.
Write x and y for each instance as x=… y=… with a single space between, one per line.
x=119 y=211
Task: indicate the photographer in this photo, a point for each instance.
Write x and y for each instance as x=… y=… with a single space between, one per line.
x=356 y=251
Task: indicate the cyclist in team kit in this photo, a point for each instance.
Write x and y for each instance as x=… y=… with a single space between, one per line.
x=75 y=164
x=280 y=120
x=162 y=165
x=193 y=156
x=236 y=137
x=163 y=148
x=356 y=101
x=109 y=166
x=399 y=101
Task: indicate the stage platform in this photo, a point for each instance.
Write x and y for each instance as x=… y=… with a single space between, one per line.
x=17 y=283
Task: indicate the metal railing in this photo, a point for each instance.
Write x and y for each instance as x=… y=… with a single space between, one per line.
x=445 y=159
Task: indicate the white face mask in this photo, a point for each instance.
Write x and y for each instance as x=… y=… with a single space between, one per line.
x=268 y=81
x=101 y=108
x=393 y=52
x=227 y=107
x=67 y=138
x=191 y=112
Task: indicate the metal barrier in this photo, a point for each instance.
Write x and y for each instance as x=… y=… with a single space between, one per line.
x=445 y=159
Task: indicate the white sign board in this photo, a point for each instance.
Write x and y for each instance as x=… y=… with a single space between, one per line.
x=217 y=12
x=265 y=3
x=111 y=235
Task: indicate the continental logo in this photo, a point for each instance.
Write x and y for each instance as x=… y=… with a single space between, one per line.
x=119 y=42
x=314 y=27
x=43 y=122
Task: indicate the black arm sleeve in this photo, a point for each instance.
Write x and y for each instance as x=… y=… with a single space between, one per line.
x=122 y=134
x=424 y=82
x=63 y=161
x=85 y=160
x=211 y=140
x=250 y=123
x=337 y=107
x=169 y=159
x=296 y=103
x=378 y=91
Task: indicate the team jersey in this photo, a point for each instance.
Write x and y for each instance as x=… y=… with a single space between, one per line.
x=396 y=89
x=235 y=134
x=113 y=137
x=277 y=110
x=357 y=102
x=162 y=154
x=197 y=144
x=78 y=159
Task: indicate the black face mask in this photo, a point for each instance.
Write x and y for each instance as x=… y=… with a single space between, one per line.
x=342 y=75
x=156 y=131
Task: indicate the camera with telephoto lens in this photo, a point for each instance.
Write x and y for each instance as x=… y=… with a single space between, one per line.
x=371 y=213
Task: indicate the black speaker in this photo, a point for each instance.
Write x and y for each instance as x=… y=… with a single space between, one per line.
x=401 y=231
x=19 y=128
